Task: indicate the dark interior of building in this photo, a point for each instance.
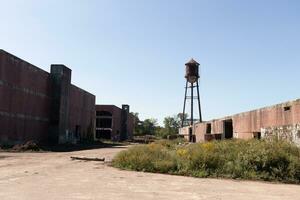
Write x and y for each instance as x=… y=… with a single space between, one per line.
x=228 y=129
x=103 y=125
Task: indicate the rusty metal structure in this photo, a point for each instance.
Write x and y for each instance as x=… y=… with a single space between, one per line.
x=192 y=82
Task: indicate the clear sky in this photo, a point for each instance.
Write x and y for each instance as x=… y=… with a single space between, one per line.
x=133 y=51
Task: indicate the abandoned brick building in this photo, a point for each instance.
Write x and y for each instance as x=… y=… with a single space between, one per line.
x=41 y=106
x=47 y=108
x=113 y=122
x=282 y=120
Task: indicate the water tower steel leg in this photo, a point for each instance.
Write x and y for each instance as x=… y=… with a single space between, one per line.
x=192 y=103
x=183 y=112
x=199 y=104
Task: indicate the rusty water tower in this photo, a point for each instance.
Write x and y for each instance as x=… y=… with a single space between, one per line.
x=192 y=82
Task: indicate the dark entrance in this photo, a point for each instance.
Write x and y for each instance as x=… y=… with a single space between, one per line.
x=208 y=129
x=103 y=125
x=228 y=129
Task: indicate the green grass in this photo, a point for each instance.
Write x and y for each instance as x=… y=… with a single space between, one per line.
x=238 y=159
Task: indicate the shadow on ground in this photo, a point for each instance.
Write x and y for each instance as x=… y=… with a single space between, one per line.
x=80 y=147
x=33 y=147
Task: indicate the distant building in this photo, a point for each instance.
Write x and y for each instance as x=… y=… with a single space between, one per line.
x=114 y=123
x=282 y=121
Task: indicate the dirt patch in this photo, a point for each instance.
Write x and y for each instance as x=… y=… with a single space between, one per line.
x=3 y=157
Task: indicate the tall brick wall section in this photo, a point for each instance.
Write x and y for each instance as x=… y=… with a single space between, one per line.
x=82 y=113
x=41 y=106
x=25 y=92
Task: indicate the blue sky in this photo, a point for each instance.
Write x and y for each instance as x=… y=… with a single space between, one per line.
x=133 y=51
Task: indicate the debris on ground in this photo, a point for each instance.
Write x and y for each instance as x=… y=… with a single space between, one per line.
x=88 y=159
x=28 y=146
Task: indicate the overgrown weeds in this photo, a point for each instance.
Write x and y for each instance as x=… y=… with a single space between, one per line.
x=238 y=159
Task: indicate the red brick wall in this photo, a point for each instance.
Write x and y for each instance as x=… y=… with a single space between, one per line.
x=26 y=103
x=199 y=131
x=116 y=120
x=245 y=124
x=82 y=112
x=25 y=100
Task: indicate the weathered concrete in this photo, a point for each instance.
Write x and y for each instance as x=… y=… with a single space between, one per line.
x=35 y=176
x=289 y=132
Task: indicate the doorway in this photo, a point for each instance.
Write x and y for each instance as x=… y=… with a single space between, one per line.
x=228 y=129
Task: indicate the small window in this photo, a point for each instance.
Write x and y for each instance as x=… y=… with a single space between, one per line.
x=257 y=135
x=208 y=128
x=287 y=108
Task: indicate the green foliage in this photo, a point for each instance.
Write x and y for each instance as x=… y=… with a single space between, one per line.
x=146 y=127
x=171 y=126
x=150 y=126
x=238 y=159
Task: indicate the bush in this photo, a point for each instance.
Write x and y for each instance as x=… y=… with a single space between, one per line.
x=238 y=159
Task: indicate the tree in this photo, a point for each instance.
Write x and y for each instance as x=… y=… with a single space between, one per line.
x=181 y=118
x=171 y=126
x=136 y=122
x=146 y=127
x=149 y=126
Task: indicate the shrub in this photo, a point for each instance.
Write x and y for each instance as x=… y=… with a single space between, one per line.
x=274 y=160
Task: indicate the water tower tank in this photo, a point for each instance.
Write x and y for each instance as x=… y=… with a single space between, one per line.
x=192 y=71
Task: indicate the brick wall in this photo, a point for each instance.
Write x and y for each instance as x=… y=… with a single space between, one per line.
x=117 y=121
x=246 y=124
x=82 y=113
x=33 y=107
x=25 y=92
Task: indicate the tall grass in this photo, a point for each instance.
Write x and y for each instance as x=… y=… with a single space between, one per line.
x=239 y=159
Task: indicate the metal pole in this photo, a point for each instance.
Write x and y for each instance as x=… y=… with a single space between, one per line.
x=183 y=113
x=192 y=104
x=199 y=104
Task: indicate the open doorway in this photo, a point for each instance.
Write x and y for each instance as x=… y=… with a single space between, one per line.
x=228 y=129
x=103 y=125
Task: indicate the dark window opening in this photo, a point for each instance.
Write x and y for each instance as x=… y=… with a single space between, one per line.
x=105 y=123
x=228 y=129
x=103 y=113
x=190 y=134
x=218 y=136
x=103 y=134
x=208 y=128
x=98 y=123
x=287 y=108
x=257 y=135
